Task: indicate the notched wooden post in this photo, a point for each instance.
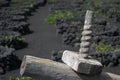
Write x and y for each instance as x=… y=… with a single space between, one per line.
x=80 y=61
x=86 y=35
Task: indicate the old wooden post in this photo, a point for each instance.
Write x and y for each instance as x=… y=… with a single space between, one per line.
x=80 y=62
x=45 y=69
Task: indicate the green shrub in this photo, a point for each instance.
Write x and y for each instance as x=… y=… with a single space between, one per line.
x=101 y=47
x=97 y=5
x=20 y=39
x=6 y=37
x=15 y=1
x=51 y=19
x=14 y=10
x=78 y=14
x=53 y=0
x=23 y=78
x=10 y=37
x=88 y=6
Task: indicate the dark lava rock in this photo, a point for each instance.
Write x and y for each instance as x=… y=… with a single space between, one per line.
x=18 y=18
x=110 y=59
x=8 y=60
x=5 y=51
x=4 y=3
x=21 y=27
x=57 y=55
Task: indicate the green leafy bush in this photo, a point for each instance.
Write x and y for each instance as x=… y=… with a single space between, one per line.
x=53 y=0
x=6 y=37
x=101 y=47
x=10 y=37
x=20 y=39
x=23 y=78
x=51 y=19
x=15 y=1
x=97 y=7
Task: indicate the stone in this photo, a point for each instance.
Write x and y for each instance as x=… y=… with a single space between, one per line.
x=18 y=18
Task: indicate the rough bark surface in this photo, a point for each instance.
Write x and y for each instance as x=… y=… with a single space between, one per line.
x=45 y=69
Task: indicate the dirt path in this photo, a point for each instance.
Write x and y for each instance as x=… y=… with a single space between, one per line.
x=41 y=42
x=43 y=39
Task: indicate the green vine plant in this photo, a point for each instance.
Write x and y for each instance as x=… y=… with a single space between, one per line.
x=101 y=47
x=23 y=78
x=10 y=37
x=6 y=37
x=15 y=1
x=52 y=18
x=20 y=39
x=96 y=6
x=53 y=1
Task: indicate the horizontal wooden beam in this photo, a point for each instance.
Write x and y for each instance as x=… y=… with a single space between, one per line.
x=45 y=69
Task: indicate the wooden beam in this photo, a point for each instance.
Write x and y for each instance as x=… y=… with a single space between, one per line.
x=45 y=69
